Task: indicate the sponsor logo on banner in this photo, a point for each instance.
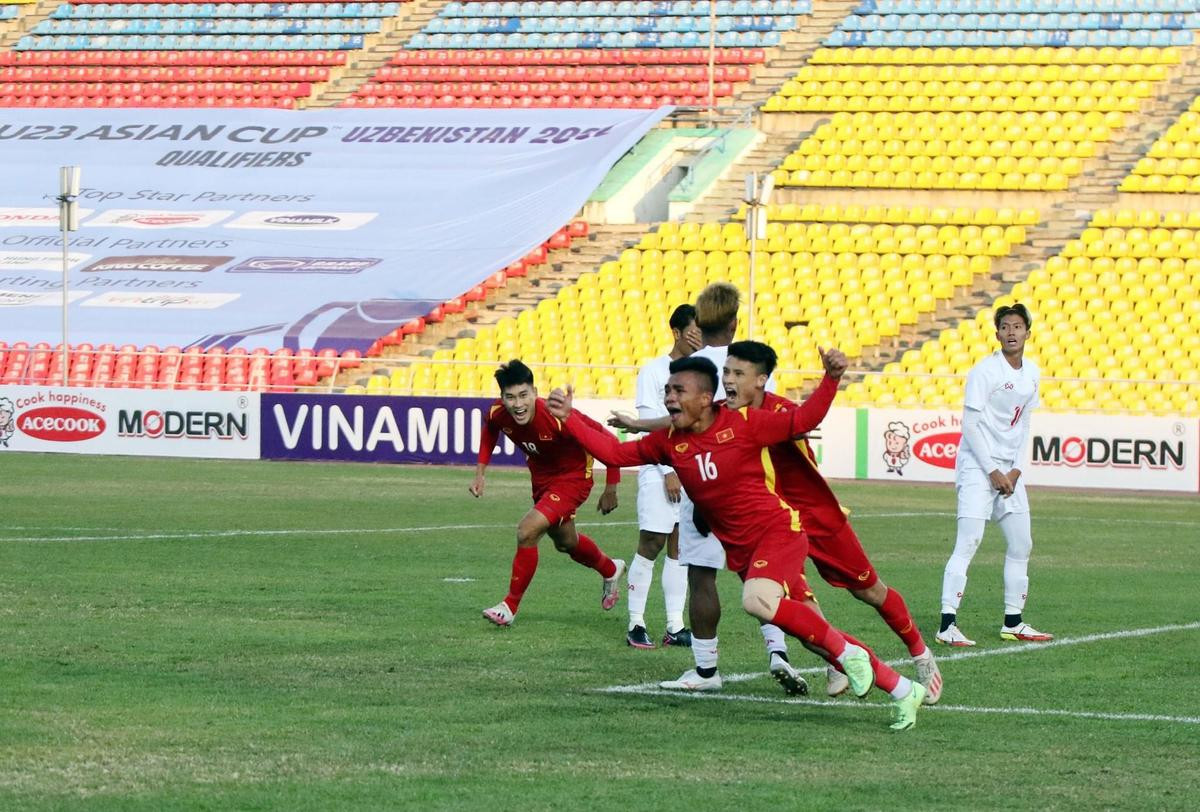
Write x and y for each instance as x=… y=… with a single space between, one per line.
x=938 y=449
x=39 y=260
x=81 y=420
x=318 y=265
x=173 y=425
x=1110 y=452
x=159 y=263
x=178 y=301
x=295 y=220
x=60 y=424
x=370 y=429
x=33 y=217
x=138 y=218
x=21 y=298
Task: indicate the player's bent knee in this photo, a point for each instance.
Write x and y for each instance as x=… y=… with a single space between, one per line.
x=761 y=597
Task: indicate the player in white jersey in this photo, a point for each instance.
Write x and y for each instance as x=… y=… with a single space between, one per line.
x=658 y=498
x=701 y=552
x=1002 y=392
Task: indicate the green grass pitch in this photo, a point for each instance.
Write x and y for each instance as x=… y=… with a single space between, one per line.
x=218 y=635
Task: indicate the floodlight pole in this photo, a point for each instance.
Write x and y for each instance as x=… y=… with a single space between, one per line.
x=68 y=221
x=758 y=196
x=712 y=62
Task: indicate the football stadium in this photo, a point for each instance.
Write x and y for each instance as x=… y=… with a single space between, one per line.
x=300 y=301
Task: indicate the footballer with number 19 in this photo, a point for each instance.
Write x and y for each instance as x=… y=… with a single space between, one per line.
x=561 y=472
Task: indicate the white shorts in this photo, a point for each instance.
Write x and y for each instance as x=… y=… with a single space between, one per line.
x=977 y=499
x=655 y=513
x=695 y=549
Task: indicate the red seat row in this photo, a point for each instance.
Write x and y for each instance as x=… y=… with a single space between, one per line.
x=559 y=73
x=171 y=367
x=111 y=89
x=138 y=100
x=201 y=58
x=579 y=56
x=555 y=102
x=172 y=73
x=515 y=89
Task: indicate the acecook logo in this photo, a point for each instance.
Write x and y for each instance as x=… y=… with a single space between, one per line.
x=61 y=424
x=938 y=449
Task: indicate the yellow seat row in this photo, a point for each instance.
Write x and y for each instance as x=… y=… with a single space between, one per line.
x=917 y=215
x=981 y=73
x=1087 y=55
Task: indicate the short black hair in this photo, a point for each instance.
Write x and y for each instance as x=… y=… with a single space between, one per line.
x=703 y=367
x=514 y=373
x=757 y=353
x=1017 y=308
x=684 y=315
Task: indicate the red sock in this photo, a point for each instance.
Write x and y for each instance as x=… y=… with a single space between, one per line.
x=896 y=615
x=587 y=553
x=523 y=567
x=800 y=621
x=886 y=677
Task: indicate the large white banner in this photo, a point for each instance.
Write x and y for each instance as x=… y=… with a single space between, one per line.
x=276 y=228
x=1072 y=450
x=130 y=421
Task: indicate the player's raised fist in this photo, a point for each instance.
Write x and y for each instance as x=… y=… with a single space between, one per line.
x=834 y=361
x=560 y=402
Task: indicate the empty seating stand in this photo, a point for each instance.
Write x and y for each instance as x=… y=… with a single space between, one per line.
x=581 y=54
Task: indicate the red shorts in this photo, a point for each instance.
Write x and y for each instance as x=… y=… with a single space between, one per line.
x=841 y=559
x=779 y=556
x=558 y=499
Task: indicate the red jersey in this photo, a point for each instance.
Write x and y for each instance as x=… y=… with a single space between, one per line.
x=798 y=481
x=550 y=453
x=723 y=469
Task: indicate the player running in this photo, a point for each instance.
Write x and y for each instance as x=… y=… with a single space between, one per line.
x=833 y=545
x=1002 y=392
x=717 y=453
x=659 y=493
x=561 y=473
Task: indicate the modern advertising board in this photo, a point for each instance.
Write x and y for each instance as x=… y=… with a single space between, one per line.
x=1070 y=450
x=277 y=228
x=129 y=421
x=370 y=428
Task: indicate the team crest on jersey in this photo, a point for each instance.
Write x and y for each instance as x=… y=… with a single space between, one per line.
x=545 y=437
x=1010 y=385
x=681 y=448
x=724 y=435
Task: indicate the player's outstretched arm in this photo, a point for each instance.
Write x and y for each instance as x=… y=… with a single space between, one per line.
x=635 y=425
x=592 y=436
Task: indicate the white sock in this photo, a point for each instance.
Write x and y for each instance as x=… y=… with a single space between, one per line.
x=674 y=584
x=954 y=579
x=1016 y=561
x=773 y=637
x=639 y=578
x=902 y=688
x=848 y=650
x=704 y=652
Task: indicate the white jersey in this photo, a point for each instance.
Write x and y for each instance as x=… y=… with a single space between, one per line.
x=651 y=392
x=1003 y=397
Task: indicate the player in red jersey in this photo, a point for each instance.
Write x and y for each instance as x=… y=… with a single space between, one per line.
x=833 y=545
x=561 y=472
x=717 y=453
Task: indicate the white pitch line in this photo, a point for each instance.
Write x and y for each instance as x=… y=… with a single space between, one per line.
x=1025 y=648
x=306 y=531
x=855 y=706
